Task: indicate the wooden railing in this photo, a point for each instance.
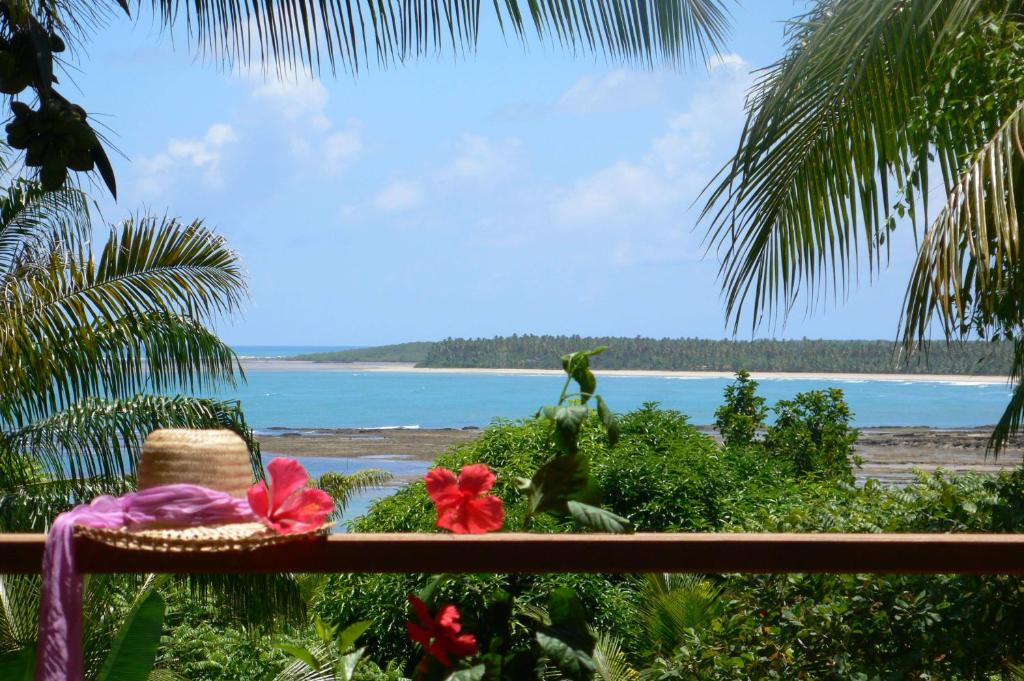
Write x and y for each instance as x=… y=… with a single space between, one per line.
x=522 y=553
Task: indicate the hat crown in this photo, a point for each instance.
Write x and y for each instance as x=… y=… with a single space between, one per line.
x=216 y=459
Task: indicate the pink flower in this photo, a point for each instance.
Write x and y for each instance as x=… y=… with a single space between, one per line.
x=462 y=505
x=442 y=636
x=287 y=506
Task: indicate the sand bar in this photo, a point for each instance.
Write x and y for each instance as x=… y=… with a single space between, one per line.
x=256 y=364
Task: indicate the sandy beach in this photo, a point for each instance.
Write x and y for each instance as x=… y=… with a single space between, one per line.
x=258 y=364
x=890 y=454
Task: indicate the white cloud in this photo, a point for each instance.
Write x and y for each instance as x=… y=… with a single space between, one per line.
x=615 y=91
x=480 y=160
x=183 y=156
x=297 y=103
x=342 y=148
x=399 y=196
x=668 y=177
x=618 y=189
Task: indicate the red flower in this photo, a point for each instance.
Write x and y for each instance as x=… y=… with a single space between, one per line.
x=440 y=637
x=462 y=506
x=287 y=506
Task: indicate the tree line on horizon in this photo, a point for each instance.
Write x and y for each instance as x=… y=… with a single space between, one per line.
x=700 y=354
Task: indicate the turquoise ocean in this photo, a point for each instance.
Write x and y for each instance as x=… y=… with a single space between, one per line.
x=353 y=399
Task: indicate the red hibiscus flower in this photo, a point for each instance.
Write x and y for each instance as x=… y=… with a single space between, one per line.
x=462 y=506
x=440 y=637
x=287 y=506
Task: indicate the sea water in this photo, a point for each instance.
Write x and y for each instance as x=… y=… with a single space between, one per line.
x=375 y=399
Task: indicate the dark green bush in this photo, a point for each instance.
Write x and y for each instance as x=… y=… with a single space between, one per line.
x=742 y=413
x=812 y=433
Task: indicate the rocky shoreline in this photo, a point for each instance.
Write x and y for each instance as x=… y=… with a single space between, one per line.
x=889 y=455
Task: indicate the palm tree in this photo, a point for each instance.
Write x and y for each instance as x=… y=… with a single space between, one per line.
x=875 y=104
x=92 y=342
x=296 y=36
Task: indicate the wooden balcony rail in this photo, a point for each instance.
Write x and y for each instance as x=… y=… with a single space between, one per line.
x=524 y=553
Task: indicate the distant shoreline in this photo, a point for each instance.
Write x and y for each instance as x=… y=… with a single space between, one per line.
x=259 y=364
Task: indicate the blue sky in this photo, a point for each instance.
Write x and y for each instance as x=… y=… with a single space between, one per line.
x=511 y=191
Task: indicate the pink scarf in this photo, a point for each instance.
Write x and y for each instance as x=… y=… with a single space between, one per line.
x=59 y=655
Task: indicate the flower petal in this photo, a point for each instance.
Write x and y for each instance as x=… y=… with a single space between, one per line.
x=443 y=488
x=286 y=477
x=421 y=610
x=476 y=478
x=259 y=499
x=453 y=518
x=418 y=634
x=306 y=505
x=463 y=645
x=485 y=514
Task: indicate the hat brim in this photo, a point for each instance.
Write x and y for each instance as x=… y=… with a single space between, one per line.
x=205 y=538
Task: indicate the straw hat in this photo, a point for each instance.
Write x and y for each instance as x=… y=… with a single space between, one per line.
x=216 y=459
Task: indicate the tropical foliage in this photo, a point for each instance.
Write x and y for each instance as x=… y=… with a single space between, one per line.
x=91 y=340
x=665 y=475
x=300 y=36
x=874 y=104
x=699 y=354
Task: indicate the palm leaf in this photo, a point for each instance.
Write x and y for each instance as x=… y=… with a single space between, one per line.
x=19 y=608
x=346 y=33
x=100 y=440
x=145 y=352
x=671 y=604
x=610 y=662
x=968 y=270
x=828 y=140
x=34 y=223
x=146 y=264
x=343 y=487
x=133 y=650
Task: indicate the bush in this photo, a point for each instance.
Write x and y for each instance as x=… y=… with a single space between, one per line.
x=812 y=433
x=742 y=414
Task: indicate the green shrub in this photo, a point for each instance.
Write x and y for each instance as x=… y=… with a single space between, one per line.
x=742 y=414
x=812 y=433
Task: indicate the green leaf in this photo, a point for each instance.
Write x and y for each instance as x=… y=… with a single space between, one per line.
x=474 y=673
x=607 y=417
x=347 y=665
x=576 y=664
x=568 y=643
x=577 y=365
x=19 y=665
x=300 y=653
x=347 y=638
x=600 y=519
x=566 y=612
x=134 y=648
x=557 y=481
x=568 y=421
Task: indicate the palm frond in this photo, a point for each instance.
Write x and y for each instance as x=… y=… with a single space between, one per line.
x=828 y=140
x=673 y=603
x=610 y=662
x=146 y=264
x=100 y=440
x=1013 y=415
x=342 y=487
x=34 y=223
x=344 y=34
x=32 y=507
x=261 y=602
x=19 y=609
x=139 y=353
x=968 y=270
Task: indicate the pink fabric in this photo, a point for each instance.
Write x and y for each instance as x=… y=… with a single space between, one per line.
x=59 y=655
